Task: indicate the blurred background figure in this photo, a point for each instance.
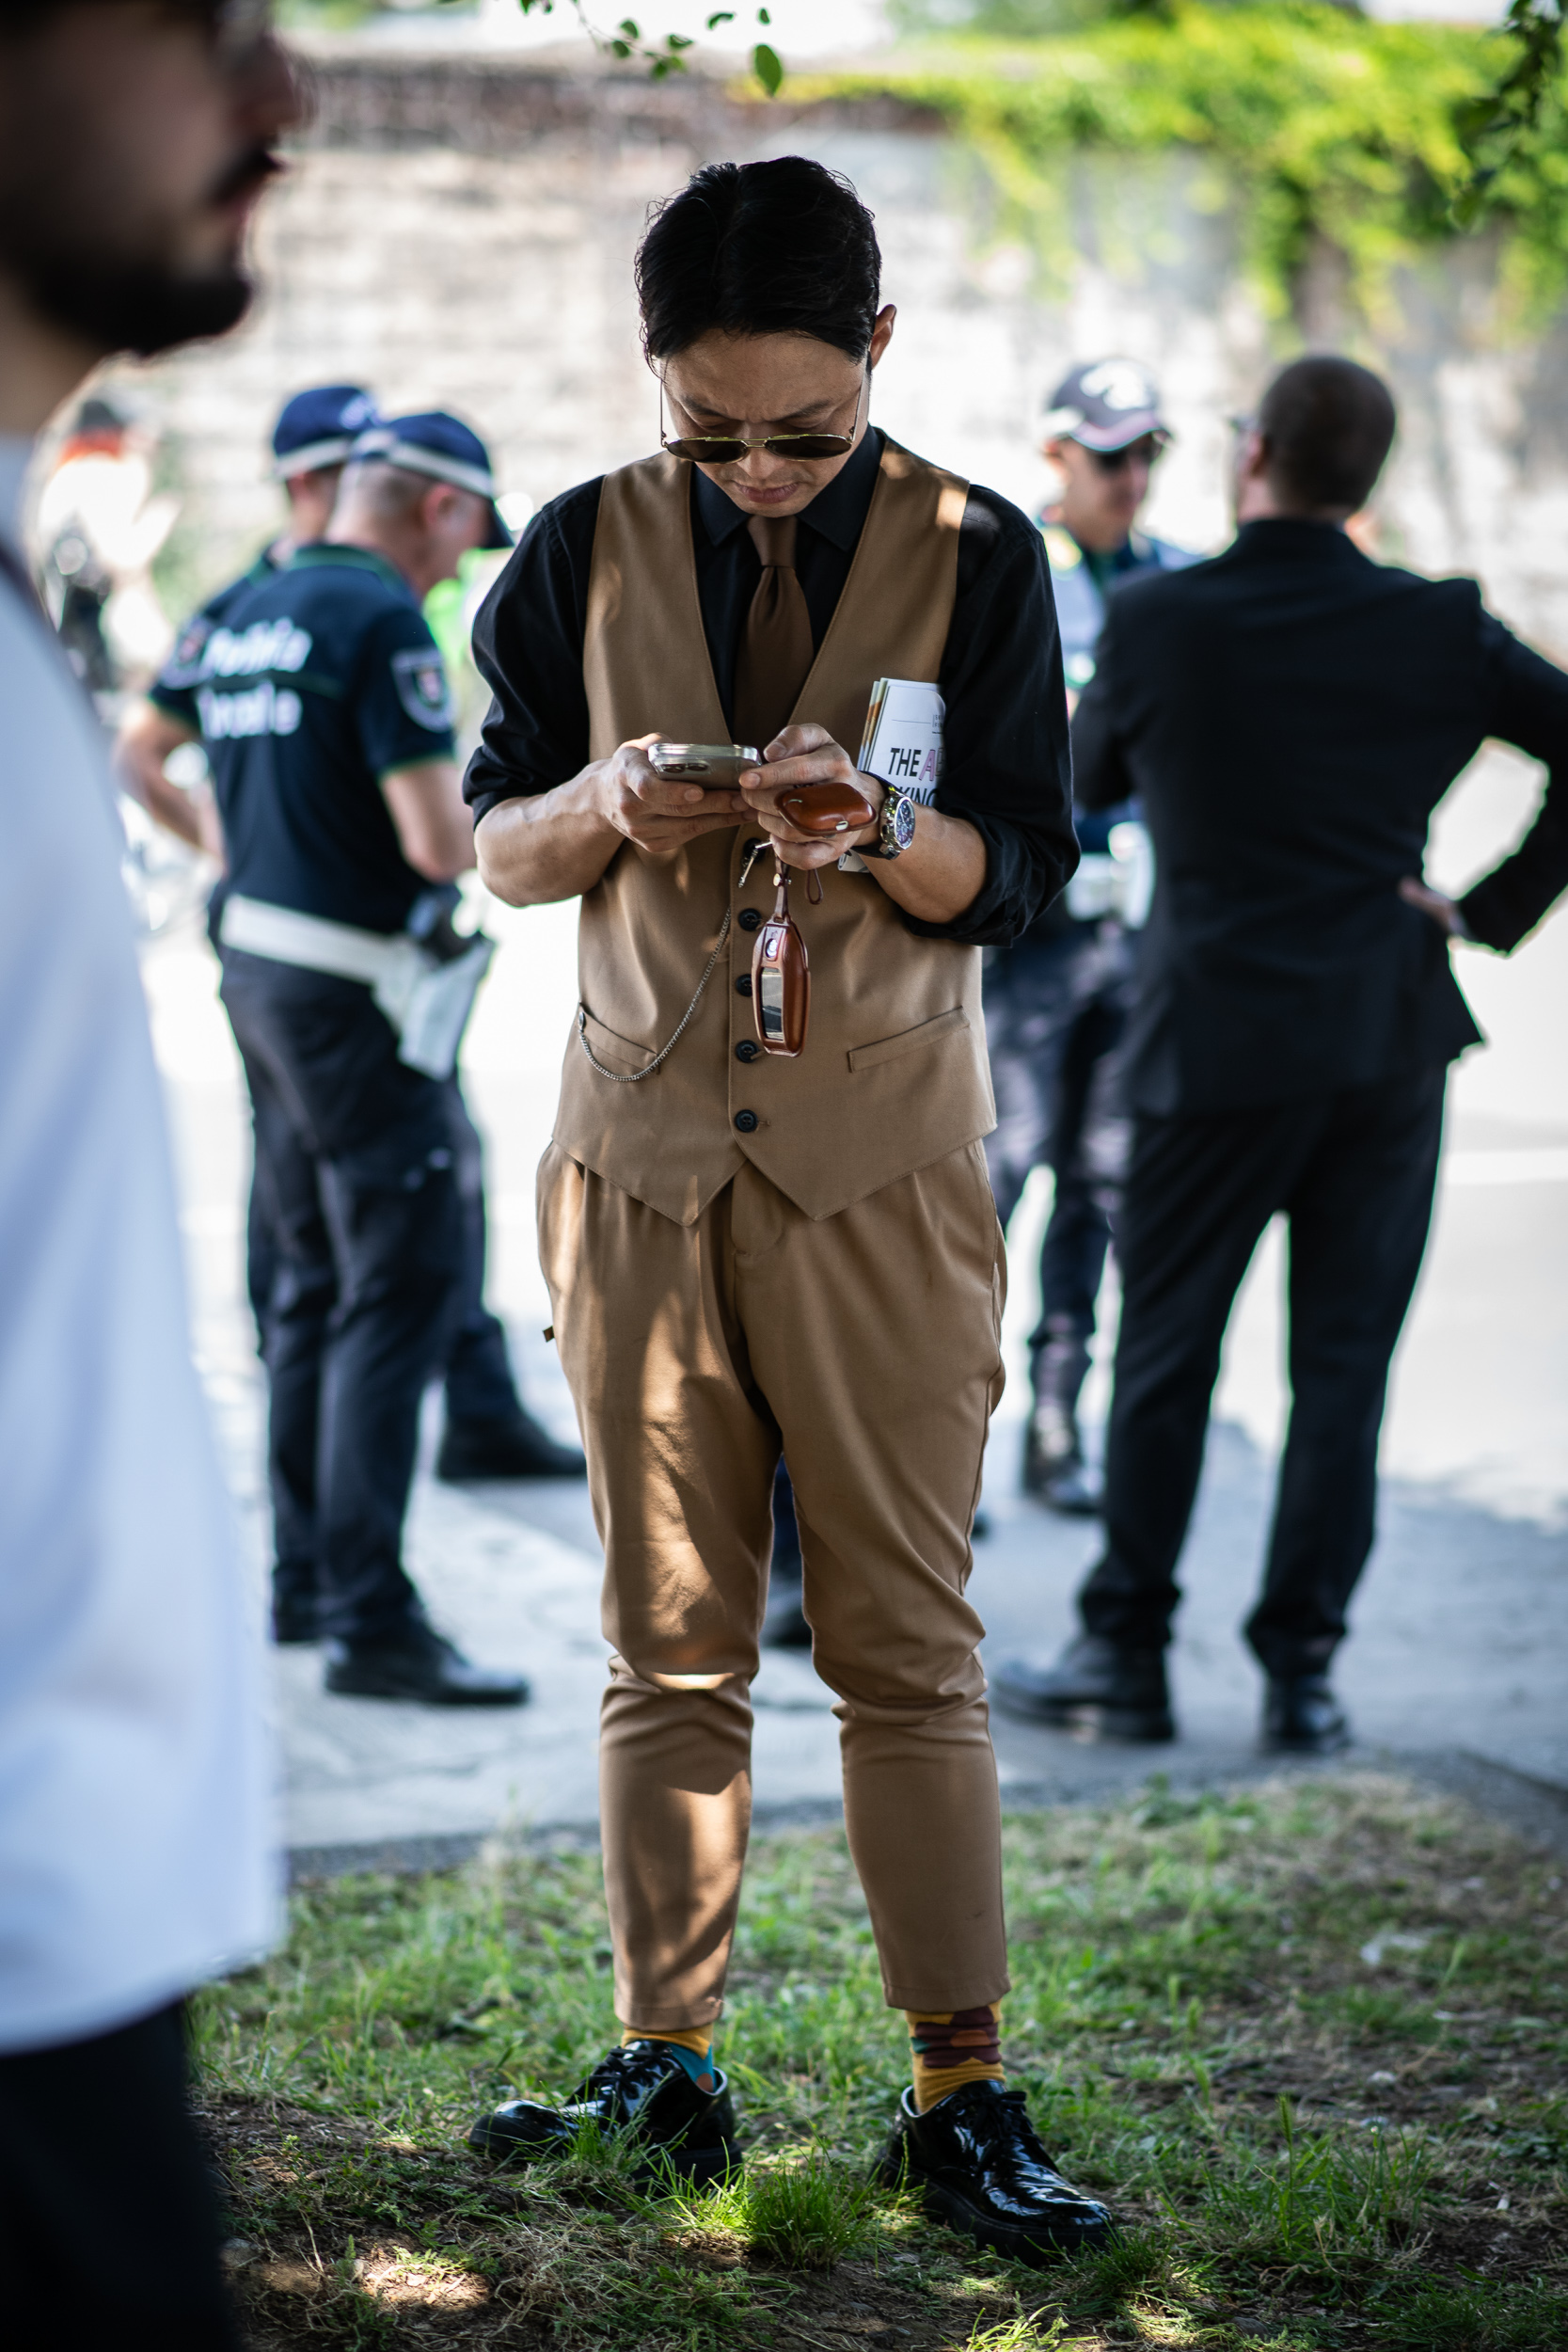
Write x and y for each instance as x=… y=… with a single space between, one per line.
x=323 y=705
x=100 y=524
x=1056 y=1001
x=489 y=1431
x=134 y=143
x=1289 y=716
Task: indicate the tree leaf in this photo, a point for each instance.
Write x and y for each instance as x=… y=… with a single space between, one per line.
x=768 y=68
x=721 y=16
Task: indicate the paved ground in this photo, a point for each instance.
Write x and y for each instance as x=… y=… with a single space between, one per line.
x=1461 y=1626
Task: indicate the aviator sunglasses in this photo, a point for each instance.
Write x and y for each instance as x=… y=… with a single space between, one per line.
x=722 y=448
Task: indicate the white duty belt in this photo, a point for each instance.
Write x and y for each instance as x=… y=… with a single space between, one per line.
x=427 y=1002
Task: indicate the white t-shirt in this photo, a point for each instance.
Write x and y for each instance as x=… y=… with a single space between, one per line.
x=134 y=1799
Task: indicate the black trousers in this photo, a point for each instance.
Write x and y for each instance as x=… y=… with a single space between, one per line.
x=1055 y=1009
x=477 y=1369
x=1354 y=1173
x=364 y=1157
x=108 y=2228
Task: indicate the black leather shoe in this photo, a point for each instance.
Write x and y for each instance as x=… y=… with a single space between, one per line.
x=518 y=1448
x=1054 y=1469
x=641 y=2089
x=417 y=1664
x=1096 y=1689
x=1302 y=1717
x=979 y=2160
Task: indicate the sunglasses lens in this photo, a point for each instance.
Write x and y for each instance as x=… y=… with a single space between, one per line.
x=701 y=451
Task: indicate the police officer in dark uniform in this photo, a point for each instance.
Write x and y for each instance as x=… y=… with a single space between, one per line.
x=488 y=1432
x=323 y=705
x=1056 y=1000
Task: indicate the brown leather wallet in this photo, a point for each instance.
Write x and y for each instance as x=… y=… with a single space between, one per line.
x=824 y=809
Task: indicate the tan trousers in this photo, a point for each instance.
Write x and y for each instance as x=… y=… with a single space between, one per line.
x=867 y=1344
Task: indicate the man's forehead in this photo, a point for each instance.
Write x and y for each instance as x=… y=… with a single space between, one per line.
x=757 y=386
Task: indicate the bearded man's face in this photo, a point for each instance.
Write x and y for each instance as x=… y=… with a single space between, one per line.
x=136 y=136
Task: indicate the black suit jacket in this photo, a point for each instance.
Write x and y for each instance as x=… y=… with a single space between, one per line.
x=1290 y=714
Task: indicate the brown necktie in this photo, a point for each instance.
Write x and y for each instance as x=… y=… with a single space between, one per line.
x=776 y=649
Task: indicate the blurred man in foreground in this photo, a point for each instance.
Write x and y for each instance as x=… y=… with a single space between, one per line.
x=134 y=142
x=1057 y=999
x=1289 y=716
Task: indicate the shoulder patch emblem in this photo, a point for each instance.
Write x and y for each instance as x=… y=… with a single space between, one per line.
x=1061 y=548
x=419 y=675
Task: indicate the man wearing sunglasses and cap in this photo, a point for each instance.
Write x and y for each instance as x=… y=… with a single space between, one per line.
x=323 y=705
x=1055 y=1000
x=489 y=1432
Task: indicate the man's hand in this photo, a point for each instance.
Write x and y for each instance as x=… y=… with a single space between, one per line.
x=806 y=755
x=1443 y=912
x=657 y=813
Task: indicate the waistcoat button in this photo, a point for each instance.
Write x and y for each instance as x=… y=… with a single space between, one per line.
x=749 y=919
x=747 y=1050
x=743 y=986
x=747 y=1122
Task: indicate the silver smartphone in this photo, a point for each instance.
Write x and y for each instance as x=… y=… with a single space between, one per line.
x=717 y=766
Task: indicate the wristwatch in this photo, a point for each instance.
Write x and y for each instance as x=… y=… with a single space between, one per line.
x=897 y=826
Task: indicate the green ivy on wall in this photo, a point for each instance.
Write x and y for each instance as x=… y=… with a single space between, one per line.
x=1314 y=122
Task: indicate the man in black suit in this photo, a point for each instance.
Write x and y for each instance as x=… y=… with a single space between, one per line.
x=1288 y=715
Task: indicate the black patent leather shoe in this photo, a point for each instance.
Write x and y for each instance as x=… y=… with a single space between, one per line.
x=417 y=1664
x=979 y=2165
x=1302 y=1717
x=516 y=1448
x=641 y=2089
x=1096 y=1690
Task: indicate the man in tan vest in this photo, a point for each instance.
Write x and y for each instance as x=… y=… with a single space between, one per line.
x=746 y=1250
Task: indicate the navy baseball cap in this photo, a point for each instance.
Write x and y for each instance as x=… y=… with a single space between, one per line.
x=444 y=448
x=1105 y=403
x=320 y=428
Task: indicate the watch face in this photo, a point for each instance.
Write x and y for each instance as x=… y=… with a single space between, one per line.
x=903 y=821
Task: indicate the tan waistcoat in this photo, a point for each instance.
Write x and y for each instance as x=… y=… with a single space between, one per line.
x=894 y=1074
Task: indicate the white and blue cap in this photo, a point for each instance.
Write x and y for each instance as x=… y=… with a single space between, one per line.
x=320 y=427
x=1106 y=403
x=444 y=448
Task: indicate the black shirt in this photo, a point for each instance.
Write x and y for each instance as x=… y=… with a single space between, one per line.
x=308 y=684
x=1007 y=761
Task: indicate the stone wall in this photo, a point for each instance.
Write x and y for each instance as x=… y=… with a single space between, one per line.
x=461 y=232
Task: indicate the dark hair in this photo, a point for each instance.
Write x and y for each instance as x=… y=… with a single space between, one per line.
x=776 y=248
x=1327 y=425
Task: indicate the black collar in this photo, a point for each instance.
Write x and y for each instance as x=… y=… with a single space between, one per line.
x=1293 y=535
x=837 y=511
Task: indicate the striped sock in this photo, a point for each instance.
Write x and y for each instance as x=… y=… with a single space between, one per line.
x=690 y=2044
x=954 y=2046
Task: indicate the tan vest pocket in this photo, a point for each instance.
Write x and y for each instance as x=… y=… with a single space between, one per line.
x=908 y=1041
x=616 y=1053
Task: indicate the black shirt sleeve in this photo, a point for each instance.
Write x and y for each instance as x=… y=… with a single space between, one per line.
x=527 y=649
x=1006 y=769
x=1527 y=705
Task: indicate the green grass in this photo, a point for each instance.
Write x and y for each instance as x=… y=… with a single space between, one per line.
x=1309 y=2039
